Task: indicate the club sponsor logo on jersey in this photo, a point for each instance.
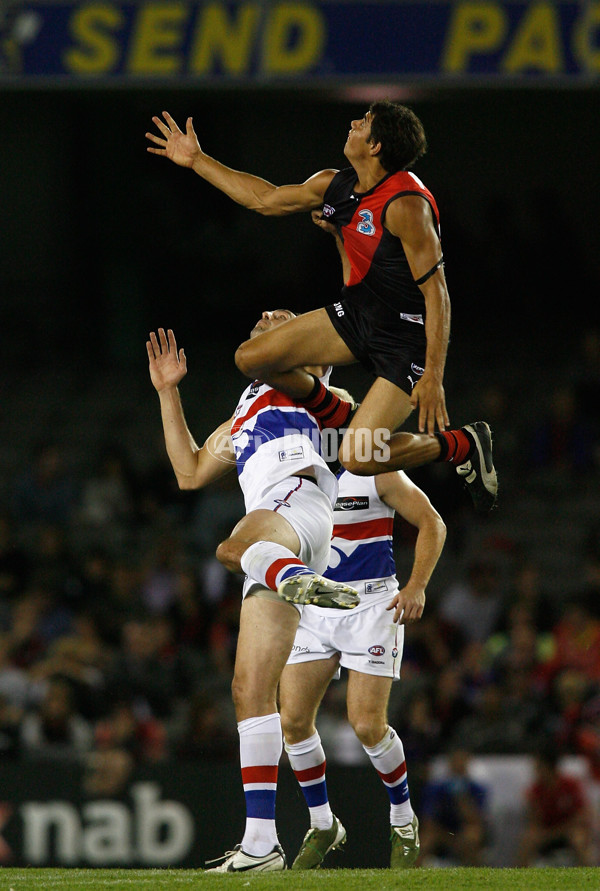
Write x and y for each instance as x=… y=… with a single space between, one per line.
x=352 y=502
x=375 y=587
x=291 y=454
x=253 y=391
x=366 y=225
x=376 y=650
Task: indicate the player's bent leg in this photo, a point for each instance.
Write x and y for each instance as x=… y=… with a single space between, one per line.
x=309 y=339
x=371 y=446
x=258 y=525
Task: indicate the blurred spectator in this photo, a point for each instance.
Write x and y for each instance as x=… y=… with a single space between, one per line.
x=54 y=566
x=527 y=593
x=472 y=606
x=419 y=729
x=454 y=815
x=55 y=730
x=15 y=684
x=209 y=733
x=587 y=379
x=520 y=648
x=223 y=634
x=143 y=670
x=558 y=815
x=576 y=640
x=129 y=728
x=107 y=773
x=591 y=567
x=158 y=589
x=493 y=727
x=45 y=492
x=563 y=441
x=15 y=561
x=10 y=728
x=82 y=658
x=109 y=493
x=450 y=702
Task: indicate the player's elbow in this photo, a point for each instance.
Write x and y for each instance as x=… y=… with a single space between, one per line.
x=186 y=483
x=249 y=359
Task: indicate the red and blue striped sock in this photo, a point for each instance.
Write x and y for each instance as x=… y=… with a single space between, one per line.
x=270 y=564
x=307 y=760
x=261 y=744
x=387 y=757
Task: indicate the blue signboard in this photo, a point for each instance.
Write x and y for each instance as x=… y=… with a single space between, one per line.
x=312 y=43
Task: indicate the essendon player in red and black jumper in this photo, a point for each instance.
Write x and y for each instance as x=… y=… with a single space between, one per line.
x=394 y=313
x=382 y=312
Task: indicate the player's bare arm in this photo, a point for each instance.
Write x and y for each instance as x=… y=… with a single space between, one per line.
x=409 y=218
x=194 y=466
x=246 y=189
x=398 y=491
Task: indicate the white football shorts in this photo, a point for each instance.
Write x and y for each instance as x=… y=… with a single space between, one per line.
x=308 y=511
x=367 y=640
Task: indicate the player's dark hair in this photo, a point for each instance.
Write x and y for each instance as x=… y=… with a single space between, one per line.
x=400 y=133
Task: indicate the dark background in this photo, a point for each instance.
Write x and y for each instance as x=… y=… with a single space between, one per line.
x=102 y=241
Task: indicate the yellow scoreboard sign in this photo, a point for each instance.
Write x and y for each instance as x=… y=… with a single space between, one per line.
x=308 y=42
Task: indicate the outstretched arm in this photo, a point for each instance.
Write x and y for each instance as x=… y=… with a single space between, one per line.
x=194 y=466
x=411 y=503
x=243 y=188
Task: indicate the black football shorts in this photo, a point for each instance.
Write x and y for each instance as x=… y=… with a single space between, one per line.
x=387 y=343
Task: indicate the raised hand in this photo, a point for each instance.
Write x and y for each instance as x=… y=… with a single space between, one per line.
x=167 y=366
x=181 y=148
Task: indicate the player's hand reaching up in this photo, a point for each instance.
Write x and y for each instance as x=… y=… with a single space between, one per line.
x=181 y=148
x=167 y=365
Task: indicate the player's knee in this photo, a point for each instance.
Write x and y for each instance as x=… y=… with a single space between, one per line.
x=295 y=726
x=369 y=729
x=354 y=462
x=228 y=553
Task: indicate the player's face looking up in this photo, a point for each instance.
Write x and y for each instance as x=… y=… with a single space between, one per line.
x=358 y=136
x=271 y=319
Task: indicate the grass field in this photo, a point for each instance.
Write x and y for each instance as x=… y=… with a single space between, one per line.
x=322 y=880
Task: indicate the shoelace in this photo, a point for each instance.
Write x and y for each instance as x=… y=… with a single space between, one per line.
x=222 y=857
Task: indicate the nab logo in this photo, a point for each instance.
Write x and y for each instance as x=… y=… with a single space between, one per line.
x=377 y=650
x=352 y=502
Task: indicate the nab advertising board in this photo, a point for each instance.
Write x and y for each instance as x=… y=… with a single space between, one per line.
x=311 y=43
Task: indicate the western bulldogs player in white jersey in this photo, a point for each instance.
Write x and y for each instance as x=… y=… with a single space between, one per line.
x=368 y=643
x=281 y=544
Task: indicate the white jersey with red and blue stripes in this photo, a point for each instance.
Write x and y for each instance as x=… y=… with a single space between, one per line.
x=274 y=437
x=361 y=546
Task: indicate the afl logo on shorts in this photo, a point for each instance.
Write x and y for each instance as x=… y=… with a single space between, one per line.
x=377 y=650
